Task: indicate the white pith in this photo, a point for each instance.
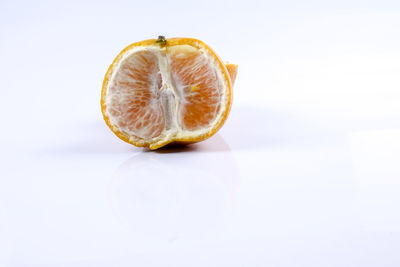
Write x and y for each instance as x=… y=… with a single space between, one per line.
x=169 y=98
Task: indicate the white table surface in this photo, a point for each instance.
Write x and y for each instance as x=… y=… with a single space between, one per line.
x=305 y=172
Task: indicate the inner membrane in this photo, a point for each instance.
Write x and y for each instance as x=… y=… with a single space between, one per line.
x=171 y=90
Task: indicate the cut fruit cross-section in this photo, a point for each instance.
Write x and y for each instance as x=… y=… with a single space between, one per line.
x=162 y=91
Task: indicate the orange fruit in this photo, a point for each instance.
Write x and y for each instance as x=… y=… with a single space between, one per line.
x=165 y=91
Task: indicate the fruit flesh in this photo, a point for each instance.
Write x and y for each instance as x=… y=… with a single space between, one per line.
x=134 y=94
x=198 y=84
x=163 y=100
x=145 y=100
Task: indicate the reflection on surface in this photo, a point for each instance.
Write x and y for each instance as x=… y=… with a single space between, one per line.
x=176 y=192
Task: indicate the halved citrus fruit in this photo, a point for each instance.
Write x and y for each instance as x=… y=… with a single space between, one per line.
x=165 y=91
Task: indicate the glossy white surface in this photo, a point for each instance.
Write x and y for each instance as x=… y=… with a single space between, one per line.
x=304 y=173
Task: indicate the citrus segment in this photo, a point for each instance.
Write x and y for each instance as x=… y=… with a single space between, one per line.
x=134 y=94
x=196 y=79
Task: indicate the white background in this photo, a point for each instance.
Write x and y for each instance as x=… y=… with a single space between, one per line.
x=305 y=172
